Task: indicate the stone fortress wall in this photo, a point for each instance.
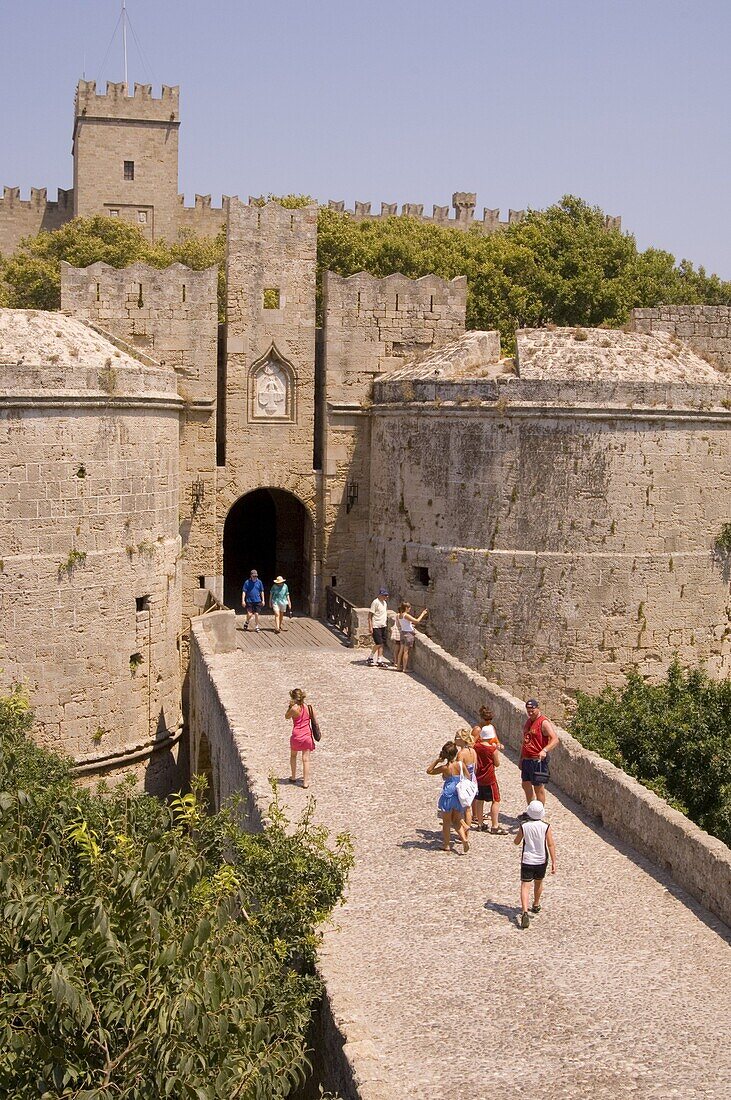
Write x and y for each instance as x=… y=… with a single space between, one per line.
x=90 y=576
x=370 y=326
x=706 y=329
x=464 y=204
x=172 y=315
x=27 y=217
x=559 y=521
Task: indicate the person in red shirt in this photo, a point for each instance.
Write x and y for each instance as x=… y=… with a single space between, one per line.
x=488 y=758
x=539 y=737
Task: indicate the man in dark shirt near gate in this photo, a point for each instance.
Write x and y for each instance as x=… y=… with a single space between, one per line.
x=252 y=598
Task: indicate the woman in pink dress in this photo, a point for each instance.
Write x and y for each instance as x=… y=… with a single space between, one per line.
x=301 y=740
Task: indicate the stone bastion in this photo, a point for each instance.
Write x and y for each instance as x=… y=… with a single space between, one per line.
x=558 y=511
x=90 y=551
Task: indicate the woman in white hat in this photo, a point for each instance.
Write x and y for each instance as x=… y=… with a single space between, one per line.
x=279 y=601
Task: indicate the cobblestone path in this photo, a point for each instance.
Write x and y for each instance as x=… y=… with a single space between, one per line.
x=619 y=989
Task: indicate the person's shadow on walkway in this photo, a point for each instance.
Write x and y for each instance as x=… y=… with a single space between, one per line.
x=431 y=840
x=510 y=911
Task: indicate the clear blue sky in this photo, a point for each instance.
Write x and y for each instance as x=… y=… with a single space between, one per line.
x=625 y=103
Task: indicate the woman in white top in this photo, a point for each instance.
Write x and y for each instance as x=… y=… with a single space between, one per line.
x=406 y=623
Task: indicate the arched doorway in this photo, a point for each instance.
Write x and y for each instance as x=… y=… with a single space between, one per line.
x=268 y=530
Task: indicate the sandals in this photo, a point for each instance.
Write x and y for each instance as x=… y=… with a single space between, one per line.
x=499 y=831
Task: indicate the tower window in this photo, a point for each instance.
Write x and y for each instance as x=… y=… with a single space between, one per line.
x=113 y=213
x=271 y=297
x=420 y=575
x=129 y=169
x=142 y=217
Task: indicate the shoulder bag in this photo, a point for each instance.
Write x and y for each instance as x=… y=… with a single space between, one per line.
x=466 y=788
x=314 y=725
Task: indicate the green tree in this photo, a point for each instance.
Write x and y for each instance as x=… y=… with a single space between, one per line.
x=149 y=950
x=672 y=736
x=560 y=265
x=32 y=275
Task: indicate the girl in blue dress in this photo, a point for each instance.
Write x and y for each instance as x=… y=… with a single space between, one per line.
x=449 y=805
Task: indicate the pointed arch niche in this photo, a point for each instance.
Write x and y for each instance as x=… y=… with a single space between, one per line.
x=272 y=390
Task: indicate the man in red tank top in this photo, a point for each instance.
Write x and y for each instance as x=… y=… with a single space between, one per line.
x=539 y=737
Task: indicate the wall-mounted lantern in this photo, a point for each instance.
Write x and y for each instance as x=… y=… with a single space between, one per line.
x=197 y=491
x=351 y=497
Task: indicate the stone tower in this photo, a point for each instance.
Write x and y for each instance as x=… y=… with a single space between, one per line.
x=266 y=480
x=126 y=156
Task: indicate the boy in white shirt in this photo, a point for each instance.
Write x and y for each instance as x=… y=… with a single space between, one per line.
x=537 y=840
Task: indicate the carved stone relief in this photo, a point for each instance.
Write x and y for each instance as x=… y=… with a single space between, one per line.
x=271 y=389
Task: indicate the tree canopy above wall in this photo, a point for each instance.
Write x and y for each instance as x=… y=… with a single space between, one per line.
x=558 y=266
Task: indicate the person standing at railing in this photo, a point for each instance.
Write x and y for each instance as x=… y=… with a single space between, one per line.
x=377 y=624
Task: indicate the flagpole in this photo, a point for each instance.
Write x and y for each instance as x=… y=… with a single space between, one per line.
x=124 y=36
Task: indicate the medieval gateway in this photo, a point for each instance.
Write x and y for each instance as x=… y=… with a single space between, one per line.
x=557 y=511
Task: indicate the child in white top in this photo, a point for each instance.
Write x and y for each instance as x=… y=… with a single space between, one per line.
x=537 y=839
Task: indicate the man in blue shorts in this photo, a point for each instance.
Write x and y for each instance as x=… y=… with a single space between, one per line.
x=539 y=737
x=252 y=598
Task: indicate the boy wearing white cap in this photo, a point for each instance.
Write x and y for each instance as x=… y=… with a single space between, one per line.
x=537 y=840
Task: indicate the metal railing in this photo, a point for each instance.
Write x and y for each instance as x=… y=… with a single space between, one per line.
x=338 y=611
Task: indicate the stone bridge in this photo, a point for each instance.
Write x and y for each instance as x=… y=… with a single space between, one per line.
x=619 y=989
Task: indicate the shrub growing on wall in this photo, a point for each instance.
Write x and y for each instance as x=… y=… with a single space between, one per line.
x=150 y=951
x=673 y=736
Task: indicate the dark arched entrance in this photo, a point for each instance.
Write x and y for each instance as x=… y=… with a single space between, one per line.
x=268 y=530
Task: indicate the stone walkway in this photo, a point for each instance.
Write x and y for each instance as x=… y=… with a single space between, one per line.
x=621 y=987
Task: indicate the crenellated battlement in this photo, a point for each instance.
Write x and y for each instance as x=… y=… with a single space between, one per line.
x=116 y=102
x=464 y=204
x=204 y=202
x=25 y=217
x=38 y=199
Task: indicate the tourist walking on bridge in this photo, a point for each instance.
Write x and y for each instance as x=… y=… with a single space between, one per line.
x=302 y=740
x=252 y=599
x=539 y=737
x=279 y=601
x=449 y=805
x=537 y=839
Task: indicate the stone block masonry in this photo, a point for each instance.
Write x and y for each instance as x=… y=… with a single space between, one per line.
x=706 y=329
x=90 y=573
x=371 y=326
x=27 y=217
x=126 y=156
x=559 y=526
x=172 y=315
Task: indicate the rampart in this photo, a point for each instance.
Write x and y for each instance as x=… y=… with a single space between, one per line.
x=172 y=315
x=370 y=326
x=21 y=218
x=90 y=580
x=560 y=521
x=464 y=204
x=706 y=329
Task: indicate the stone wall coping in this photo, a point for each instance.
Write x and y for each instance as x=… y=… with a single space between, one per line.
x=698 y=862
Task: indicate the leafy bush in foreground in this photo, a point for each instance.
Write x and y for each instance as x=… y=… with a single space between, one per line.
x=150 y=951
x=673 y=736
